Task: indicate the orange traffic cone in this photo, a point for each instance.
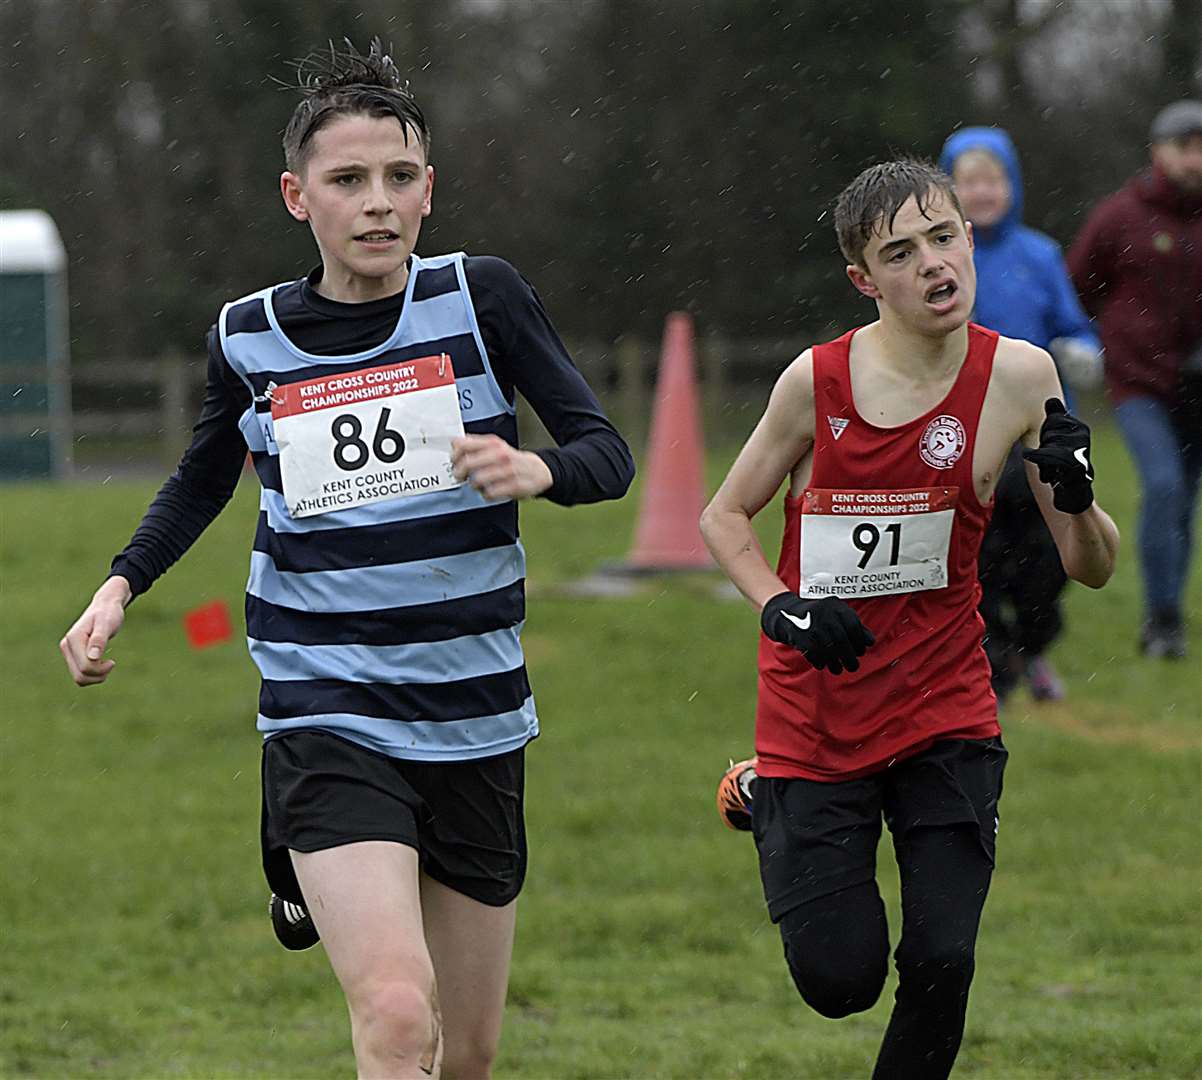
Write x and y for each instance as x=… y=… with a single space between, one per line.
x=667 y=536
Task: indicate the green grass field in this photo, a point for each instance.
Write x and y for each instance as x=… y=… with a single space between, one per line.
x=135 y=942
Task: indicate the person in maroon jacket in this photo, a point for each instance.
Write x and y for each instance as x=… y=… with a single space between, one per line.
x=1137 y=264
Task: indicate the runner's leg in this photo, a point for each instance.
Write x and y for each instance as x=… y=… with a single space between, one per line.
x=837 y=949
x=470 y=944
x=365 y=900
x=945 y=875
x=817 y=846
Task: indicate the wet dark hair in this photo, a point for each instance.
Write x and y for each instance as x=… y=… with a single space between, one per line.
x=346 y=83
x=868 y=205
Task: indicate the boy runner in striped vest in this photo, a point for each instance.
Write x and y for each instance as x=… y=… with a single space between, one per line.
x=874 y=690
x=377 y=398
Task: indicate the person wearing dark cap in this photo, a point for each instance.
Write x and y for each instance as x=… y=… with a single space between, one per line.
x=1137 y=264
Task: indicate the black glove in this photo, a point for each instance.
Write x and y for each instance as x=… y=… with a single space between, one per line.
x=827 y=631
x=1063 y=459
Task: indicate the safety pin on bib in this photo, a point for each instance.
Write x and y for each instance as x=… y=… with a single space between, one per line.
x=268 y=396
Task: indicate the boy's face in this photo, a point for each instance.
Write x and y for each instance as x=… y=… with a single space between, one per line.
x=983 y=188
x=921 y=268
x=364 y=191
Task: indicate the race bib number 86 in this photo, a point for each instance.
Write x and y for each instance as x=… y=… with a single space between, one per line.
x=366 y=436
x=875 y=543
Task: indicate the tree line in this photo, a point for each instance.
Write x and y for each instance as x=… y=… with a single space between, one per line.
x=631 y=157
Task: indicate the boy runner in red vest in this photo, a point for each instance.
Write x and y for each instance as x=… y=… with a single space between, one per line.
x=874 y=690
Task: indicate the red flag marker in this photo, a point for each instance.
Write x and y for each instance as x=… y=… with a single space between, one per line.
x=208 y=624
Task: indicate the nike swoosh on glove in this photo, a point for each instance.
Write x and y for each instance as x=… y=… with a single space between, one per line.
x=1063 y=459
x=827 y=631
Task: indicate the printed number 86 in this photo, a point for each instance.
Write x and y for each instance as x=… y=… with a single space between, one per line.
x=351 y=452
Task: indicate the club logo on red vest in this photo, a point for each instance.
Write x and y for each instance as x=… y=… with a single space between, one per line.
x=943 y=442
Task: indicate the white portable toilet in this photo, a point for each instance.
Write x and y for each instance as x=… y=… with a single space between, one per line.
x=35 y=380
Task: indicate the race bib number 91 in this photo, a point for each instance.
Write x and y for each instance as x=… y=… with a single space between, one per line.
x=367 y=436
x=875 y=543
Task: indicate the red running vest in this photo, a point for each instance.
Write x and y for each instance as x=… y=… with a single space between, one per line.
x=927 y=676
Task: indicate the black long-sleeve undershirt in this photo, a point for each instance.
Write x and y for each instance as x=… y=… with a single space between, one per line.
x=591 y=461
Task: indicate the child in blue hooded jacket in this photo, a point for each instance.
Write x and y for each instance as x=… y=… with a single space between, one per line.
x=1023 y=291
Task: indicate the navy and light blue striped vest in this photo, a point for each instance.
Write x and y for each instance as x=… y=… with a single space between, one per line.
x=394 y=625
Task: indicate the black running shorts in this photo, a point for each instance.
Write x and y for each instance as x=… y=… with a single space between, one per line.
x=464 y=817
x=815 y=838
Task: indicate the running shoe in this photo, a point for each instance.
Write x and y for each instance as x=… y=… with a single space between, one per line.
x=292 y=925
x=734 y=795
x=1045 y=684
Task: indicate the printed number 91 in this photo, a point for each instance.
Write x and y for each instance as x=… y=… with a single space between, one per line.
x=351 y=452
x=867 y=536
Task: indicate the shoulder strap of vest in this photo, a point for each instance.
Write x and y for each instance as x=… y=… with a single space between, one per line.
x=435 y=262
x=969 y=394
x=832 y=389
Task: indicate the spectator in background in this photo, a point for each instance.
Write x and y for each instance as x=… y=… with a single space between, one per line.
x=1023 y=291
x=1137 y=264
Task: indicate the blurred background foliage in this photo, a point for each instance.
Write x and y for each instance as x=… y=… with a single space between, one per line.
x=629 y=156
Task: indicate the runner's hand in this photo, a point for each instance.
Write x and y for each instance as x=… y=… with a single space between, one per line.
x=1063 y=459
x=498 y=470
x=84 y=644
x=827 y=631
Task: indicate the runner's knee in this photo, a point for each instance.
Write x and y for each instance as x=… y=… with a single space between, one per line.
x=938 y=966
x=835 y=991
x=837 y=950
x=396 y=1018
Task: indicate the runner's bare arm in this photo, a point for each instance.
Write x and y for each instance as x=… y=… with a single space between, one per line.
x=780 y=440
x=1088 y=542
x=185 y=505
x=84 y=644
